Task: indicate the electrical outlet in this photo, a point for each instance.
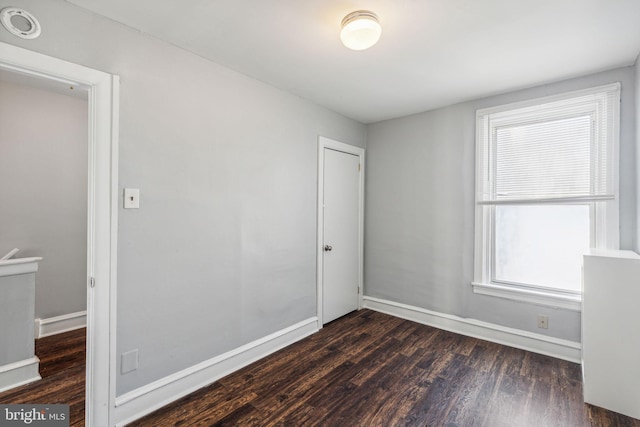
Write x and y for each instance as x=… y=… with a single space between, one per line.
x=129 y=361
x=543 y=322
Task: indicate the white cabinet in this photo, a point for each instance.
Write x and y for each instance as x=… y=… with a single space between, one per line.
x=611 y=331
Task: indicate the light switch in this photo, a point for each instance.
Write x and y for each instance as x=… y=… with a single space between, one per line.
x=131 y=198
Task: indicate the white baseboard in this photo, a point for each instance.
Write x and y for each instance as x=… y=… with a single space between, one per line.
x=59 y=324
x=141 y=401
x=19 y=373
x=537 y=343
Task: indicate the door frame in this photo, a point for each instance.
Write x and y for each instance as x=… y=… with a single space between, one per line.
x=102 y=215
x=357 y=151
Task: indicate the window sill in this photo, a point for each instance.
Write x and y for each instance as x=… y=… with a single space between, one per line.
x=539 y=297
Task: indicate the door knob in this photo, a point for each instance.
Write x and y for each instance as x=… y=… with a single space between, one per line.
x=328 y=248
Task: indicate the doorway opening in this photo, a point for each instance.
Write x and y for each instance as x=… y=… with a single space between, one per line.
x=43 y=184
x=101 y=210
x=43 y=189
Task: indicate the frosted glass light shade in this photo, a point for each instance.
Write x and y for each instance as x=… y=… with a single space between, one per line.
x=360 y=30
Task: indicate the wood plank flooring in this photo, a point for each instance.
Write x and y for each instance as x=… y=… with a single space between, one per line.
x=370 y=369
x=365 y=369
x=62 y=368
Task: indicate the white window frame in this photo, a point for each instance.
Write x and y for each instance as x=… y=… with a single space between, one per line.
x=604 y=214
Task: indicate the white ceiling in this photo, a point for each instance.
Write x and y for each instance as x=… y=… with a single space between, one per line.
x=432 y=52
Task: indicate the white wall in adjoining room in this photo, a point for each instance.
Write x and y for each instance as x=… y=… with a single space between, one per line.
x=419 y=233
x=43 y=191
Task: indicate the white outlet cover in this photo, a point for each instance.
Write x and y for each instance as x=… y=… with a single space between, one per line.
x=129 y=361
x=543 y=322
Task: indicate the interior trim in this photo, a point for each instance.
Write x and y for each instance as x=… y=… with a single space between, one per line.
x=102 y=215
x=19 y=373
x=537 y=343
x=146 y=399
x=539 y=297
x=59 y=324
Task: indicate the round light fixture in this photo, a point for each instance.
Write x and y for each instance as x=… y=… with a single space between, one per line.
x=360 y=30
x=19 y=22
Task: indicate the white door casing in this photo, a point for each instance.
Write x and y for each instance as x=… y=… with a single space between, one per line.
x=102 y=207
x=340 y=229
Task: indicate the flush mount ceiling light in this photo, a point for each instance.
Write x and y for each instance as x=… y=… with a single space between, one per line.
x=360 y=30
x=19 y=22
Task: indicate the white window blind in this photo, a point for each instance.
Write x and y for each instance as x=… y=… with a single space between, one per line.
x=556 y=151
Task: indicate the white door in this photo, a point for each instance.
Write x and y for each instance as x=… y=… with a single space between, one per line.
x=341 y=234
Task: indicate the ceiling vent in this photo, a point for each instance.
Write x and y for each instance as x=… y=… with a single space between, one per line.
x=20 y=23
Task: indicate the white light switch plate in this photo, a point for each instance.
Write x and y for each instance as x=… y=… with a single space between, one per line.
x=131 y=198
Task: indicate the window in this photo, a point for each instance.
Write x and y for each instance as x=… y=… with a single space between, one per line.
x=546 y=191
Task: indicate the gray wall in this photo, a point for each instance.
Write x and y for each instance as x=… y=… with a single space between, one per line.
x=222 y=249
x=43 y=191
x=637 y=128
x=16 y=317
x=419 y=230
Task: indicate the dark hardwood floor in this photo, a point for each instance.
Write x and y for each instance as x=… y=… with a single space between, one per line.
x=62 y=368
x=365 y=369
x=370 y=369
